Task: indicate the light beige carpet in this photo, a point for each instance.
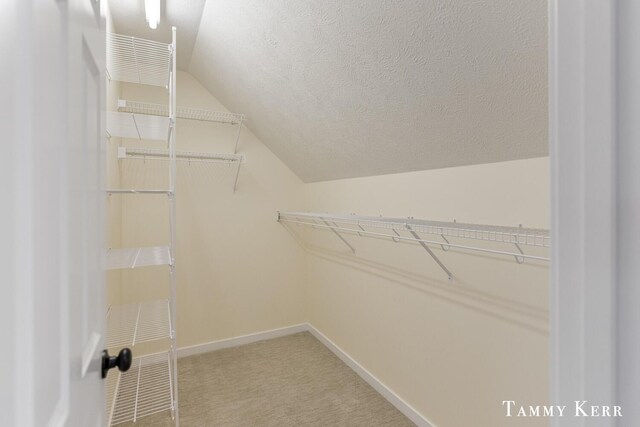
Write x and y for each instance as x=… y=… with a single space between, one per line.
x=288 y=381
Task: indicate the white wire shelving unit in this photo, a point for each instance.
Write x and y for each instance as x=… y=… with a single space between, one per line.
x=189 y=113
x=146 y=120
x=145 y=389
x=150 y=385
x=441 y=235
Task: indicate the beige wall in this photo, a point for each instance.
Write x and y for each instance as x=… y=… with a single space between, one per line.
x=237 y=271
x=452 y=351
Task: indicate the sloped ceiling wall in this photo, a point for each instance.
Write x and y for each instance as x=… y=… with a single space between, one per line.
x=347 y=88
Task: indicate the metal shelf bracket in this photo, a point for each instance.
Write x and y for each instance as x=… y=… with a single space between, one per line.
x=339 y=235
x=519 y=259
x=235 y=148
x=426 y=248
x=235 y=181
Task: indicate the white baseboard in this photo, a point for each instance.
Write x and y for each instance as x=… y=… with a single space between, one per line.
x=367 y=376
x=374 y=382
x=241 y=340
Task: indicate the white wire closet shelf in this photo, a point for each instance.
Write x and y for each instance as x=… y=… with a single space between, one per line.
x=410 y=230
x=181 y=112
x=137 y=126
x=137 y=191
x=131 y=324
x=491 y=233
x=186 y=156
x=160 y=154
x=134 y=60
x=145 y=389
x=138 y=257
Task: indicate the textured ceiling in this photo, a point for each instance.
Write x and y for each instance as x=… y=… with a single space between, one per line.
x=129 y=19
x=346 y=88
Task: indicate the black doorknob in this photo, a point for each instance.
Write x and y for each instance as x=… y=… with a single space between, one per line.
x=122 y=361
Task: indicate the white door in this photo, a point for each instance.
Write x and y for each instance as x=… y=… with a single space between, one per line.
x=51 y=213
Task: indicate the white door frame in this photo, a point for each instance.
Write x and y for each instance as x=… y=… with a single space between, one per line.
x=628 y=209
x=594 y=98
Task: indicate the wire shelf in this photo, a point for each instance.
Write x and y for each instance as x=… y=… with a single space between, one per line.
x=138 y=257
x=209 y=116
x=490 y=233
x=181 y=112
x=159 y=154
x=411 y=230
x=131 y=324
x=137 y=191
x=134 y=60
x=145 y=389
x=137 y=126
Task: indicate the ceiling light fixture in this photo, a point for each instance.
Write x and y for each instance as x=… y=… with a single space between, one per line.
x=152 y=11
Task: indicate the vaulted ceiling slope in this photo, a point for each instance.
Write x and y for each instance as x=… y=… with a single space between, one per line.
x=348 y=88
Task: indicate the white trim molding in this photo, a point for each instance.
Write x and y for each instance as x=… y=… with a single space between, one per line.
x=241 y=340
x=582 y=215
x=410 y=412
